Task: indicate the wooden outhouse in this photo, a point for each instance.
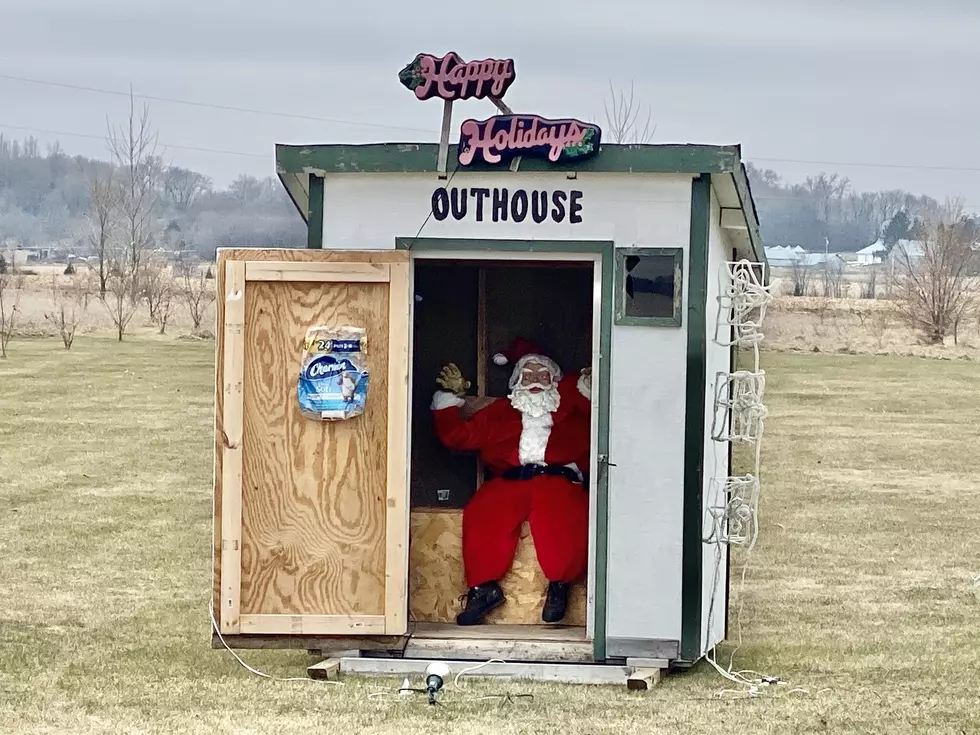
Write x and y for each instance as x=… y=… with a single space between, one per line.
x=344 y=534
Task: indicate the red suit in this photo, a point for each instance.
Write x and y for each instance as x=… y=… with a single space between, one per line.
x=556 y=507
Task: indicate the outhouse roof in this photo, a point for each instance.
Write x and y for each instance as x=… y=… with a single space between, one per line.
x=296 y=163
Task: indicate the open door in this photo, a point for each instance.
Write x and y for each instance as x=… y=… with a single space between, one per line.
x=311 y=517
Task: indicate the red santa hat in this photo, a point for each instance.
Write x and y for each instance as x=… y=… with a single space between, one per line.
x=518 y=349
x=520 y=353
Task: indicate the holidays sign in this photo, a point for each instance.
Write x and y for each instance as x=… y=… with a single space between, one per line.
x=501 y=138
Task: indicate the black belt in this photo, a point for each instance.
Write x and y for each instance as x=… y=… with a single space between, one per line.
x=527 y=471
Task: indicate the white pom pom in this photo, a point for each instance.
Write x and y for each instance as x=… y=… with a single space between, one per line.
x=499 y=359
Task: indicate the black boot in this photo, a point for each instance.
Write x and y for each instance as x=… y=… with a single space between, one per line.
x=557 y=600
x=479 y=601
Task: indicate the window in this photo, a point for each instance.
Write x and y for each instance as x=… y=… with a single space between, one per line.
x=648 y=286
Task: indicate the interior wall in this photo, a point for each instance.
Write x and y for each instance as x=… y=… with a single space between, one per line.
x=444 y=331
x=714 y=557
x=553 y=311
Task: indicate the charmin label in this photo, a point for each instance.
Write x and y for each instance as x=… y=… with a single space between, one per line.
x=333 y=379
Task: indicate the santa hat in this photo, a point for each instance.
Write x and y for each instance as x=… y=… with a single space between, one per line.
x=518 y=349
x=520 y=353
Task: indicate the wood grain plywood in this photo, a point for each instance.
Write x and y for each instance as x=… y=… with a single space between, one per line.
x=313 y=526
x=256 y=254
x=436 y=576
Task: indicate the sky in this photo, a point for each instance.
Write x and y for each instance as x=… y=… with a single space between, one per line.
x=883 y=92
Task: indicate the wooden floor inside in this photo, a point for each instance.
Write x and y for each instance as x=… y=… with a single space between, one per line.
x=528 y=643
x=500 y=632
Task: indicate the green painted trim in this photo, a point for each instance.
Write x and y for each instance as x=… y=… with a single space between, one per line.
x=314 y=231
x=744 y=191
x=605 y=248
x=423 y=157
x=619 y=293
x=602 y=447
x=697 y=296
x=292 y=197
x=505 y=246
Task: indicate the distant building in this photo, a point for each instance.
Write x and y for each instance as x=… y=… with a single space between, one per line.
x=873 y=254
x=784 y=257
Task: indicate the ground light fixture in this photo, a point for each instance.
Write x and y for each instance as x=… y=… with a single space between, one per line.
x=435 y=676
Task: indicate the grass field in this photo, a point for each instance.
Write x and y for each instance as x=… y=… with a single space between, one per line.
x=859 y=590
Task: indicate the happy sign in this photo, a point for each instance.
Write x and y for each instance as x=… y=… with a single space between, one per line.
x=450 y=78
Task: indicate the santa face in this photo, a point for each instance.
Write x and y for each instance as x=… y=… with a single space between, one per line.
x=536 y=393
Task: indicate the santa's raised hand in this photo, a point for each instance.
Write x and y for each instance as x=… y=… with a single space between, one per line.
x=451 y=379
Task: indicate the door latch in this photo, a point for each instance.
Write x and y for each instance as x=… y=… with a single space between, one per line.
x=604 y=463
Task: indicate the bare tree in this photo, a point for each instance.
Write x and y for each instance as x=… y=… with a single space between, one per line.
x=802 y=276
x=881 y=320
x=70 y=302
x=832 y=277
x=869 y=287
x=133 y=148
x=103 y=201
x=121 y=301
x=197 y=294
x=935 y=287
x=621 y=119
x=155 y=284
x=163 y=287
x=185 y=187
x=9 y=303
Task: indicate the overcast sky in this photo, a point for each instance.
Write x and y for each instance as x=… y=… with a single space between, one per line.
x=836 y=82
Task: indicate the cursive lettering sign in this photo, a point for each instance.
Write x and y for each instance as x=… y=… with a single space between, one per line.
x=451 y=78
x=499 y=204
x=503 y=137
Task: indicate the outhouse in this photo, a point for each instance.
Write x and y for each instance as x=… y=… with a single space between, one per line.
x=342 y=532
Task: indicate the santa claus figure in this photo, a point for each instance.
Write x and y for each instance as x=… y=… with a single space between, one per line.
x=536 y=445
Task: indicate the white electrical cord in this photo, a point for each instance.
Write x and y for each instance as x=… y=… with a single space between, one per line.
x=214 y=626
x=474 y=668
x=733 y=502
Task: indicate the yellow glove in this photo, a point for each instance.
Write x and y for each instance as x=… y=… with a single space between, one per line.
x=452 y=380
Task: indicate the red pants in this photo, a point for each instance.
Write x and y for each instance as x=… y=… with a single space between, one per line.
x=558 y=511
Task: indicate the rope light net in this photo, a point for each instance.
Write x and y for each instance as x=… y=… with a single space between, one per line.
x=731 y=513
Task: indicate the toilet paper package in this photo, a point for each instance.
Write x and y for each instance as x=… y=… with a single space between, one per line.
x=333 y=377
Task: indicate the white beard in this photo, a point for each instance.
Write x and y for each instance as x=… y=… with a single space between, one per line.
x=535 y=405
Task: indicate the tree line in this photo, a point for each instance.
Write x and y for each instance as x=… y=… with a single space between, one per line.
x=825 y=212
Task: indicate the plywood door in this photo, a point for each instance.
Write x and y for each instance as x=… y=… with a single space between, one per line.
x=312 y=516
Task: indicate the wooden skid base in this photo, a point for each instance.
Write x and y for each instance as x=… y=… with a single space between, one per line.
x=553 y=672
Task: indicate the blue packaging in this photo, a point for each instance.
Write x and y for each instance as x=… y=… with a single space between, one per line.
x=333 y=376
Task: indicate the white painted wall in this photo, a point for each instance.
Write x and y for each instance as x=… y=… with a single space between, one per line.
x=714 y=566
x=368 y=211
x=648 y=364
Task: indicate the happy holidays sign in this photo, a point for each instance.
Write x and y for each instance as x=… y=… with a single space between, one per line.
x=501 y=138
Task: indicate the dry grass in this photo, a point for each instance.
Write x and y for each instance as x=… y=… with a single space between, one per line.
x=860 y=583
x=36 y=301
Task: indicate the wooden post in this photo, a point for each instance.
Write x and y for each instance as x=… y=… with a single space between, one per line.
x=447 y=122
x=505 y=109
x=643 y=679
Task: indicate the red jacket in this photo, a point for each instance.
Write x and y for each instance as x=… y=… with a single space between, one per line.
x=495 y=431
